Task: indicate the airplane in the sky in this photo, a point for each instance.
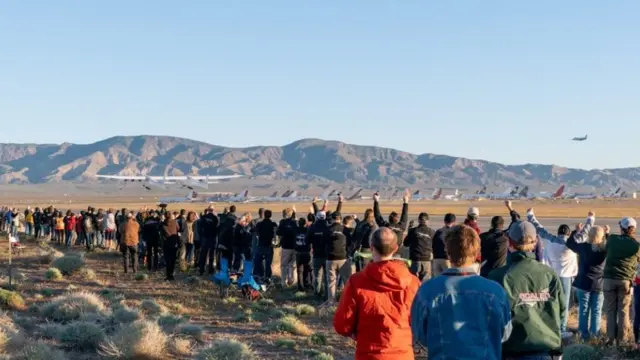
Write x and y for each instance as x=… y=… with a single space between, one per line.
x=188 y=181
x=580 y=138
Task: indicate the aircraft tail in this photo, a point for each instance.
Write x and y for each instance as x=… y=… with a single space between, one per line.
x=524 y=192
x=437 y=194
x=356 y=195
x=274 y=195
x=559 y=192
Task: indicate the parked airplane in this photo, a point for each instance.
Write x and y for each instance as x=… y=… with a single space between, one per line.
x=191 y=196
x=580 y=138
x=188 y=181
x=509 y=194
x=453 y=197
x=558 y=194
x=480 y=194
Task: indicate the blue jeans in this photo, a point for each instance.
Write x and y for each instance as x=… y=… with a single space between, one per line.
x=189 y=253
x=89 y=239
x=636 y=308
x=564 y=315
x=589 y=305
x=28 y=229
x=99 y=238
x=68 y=234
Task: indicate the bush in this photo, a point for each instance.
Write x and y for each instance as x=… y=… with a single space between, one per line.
x=82 y=335
x=581 y=352
x=87 y=274
x=177 y=309
x=192 y=331
x=169 y=323
x=286 y=343
x=227 y=349
x=139 y=340
x=39 y=351
x=75 y=306
x=50 y=255
x=229 y=301
x=180 y=346
x=150 y=307
x=142 y=277
x=303 y=310
x=10 y=300
x=318 y=339
x=317 y=355
x=70 y=263
x=291 y=325
x=51 y=331
x=53 y=274
x=124 y=315
x=10 y=339
x=47 y=292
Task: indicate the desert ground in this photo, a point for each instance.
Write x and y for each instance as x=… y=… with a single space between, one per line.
x=93 y=310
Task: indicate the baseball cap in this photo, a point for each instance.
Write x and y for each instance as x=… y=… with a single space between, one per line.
x=520 y=230
x=628 y=222
x=321 y=215
x=473 y=211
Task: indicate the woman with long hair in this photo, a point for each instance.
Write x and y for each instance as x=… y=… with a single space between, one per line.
x=588 y=242
x=188 y=237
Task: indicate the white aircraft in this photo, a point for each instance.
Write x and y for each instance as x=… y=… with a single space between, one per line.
x=453 y=197
x=509 y=194
x=188 y=181
x=558 y=194
x=580 y=138
x=480 y=194
x=191 y=196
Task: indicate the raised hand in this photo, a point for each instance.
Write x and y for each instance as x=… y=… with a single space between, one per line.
x=508 y=203
x=530 y=210
x=591 y=213
x=406 y=196
x=376 y=197
x=340 y=198
x=315 y=199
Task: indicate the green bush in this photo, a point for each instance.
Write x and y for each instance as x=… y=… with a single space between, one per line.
x=291 y=325
x=318 y=339
x=227 y=349
x=87 y=274
x=124 y=315
x=10 y=300
x=151 y=307
x=169 y=323
x=581 y=352
x=53 y=274
x=142 y=277
x=192 y=331
x=286 y=343
x=39 y=351
x=70 y=263
x=303 y=310
x=82 y=335
x=75 y=306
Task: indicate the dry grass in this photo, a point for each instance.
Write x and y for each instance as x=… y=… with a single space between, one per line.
x=180 y=346
x=124 y=315
x=87 y=274
x=82 y=335
x=139 y=340
x=53 y=274
x=227 y=349
x=191 y=331
x=152 y=308
x=70 y=263
x=10 y=300
x=289 y=324
x=39 y=351
x=75 y=306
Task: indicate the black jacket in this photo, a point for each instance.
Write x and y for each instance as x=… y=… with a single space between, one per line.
x=590 y=265
x=266 y=230
x=439 y=250
x=316 y=236
x=494 y=246
x=208 y=227
x=362 y=235
x=350 y=233
x=288 y=231
x=335 y=242
x=226 y=231
x=151 y=231
x=243 y=241
x=420 y=243
x=302 y=244
x=400 y=227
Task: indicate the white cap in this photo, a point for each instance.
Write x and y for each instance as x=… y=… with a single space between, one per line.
x=628 y=222
x=321 y=215
x=473 y=211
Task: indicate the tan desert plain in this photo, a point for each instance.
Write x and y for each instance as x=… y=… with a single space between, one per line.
x=72 y=304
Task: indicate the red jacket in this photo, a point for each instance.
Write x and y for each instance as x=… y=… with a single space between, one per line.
x=70 y=223
x=474 y=225
x=375 y=309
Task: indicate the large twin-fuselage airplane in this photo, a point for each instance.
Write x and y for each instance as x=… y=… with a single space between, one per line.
x=161 y=182
x=580 y=138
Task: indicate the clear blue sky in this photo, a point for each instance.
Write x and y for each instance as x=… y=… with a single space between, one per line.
x=507 y=81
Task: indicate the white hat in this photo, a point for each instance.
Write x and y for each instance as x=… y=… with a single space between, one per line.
x=473 y=211
x=628 y=222
x=321 y=215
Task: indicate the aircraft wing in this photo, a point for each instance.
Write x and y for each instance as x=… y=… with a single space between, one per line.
x=210 y=177
x=119 y=177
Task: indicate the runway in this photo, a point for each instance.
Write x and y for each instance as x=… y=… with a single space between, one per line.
x=551 y=224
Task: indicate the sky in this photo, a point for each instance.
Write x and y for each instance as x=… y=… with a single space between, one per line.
x=505 y=81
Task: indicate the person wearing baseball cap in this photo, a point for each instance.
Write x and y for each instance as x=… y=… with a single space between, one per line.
x=536 y=298
x=623 y=254
x=472 y=219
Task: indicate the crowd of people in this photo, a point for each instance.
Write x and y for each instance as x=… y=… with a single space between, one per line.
x=503 y=293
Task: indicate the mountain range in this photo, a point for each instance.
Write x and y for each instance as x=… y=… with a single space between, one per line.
x=307 y=160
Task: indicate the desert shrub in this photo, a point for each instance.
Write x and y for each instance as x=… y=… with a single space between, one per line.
x=318 y=339
x=151 y=307
x=142 y=277
x=303 y=310
x=313 y=354
x=245 y=317
x=70 y=263
x=301 y=295
x=10 y=300
x=53 y=274
x=50 y=255
x=180 y=346
x=82 y=335
x=124 y=315
x=169 y=323
x=87 y=274
x=192 y=331
x=581 y=352
x=177 y=308
x=51 y=331
x=75 y=306
x=227 y=349
x=276 y=314
x=139 y=340
x=285 y=343
x=27 y=323
x=11 y=339
x=229 y=301
x=47 y=292
x=291 y=325
x=39 y=351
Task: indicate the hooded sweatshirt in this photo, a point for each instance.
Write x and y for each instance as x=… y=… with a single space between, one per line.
x=375 y=309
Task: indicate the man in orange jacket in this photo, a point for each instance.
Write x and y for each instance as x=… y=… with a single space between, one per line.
x=375 y=305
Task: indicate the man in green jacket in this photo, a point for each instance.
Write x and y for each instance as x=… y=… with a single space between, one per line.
x=623 y=254
x=535 y=295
